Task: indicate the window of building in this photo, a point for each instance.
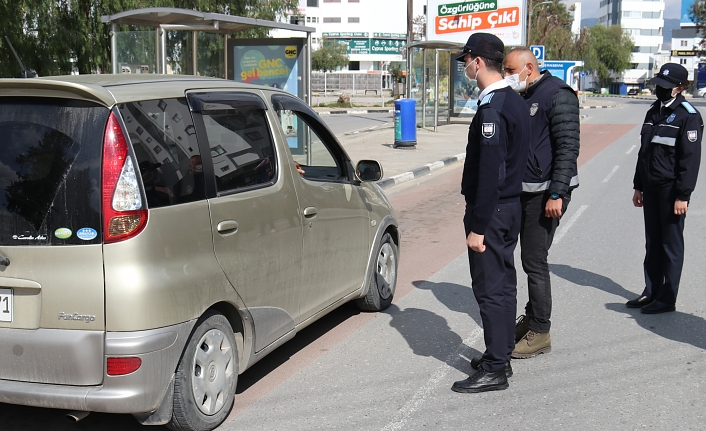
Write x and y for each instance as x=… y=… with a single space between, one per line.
x=332 y=1
x=353 y=19
x=354 y=65
x=296 y=19
x=682 y=61
x=647 y=15
x=312 y=3
x=683 y=43
x=353 y=1
x=633 y=14
x=332 y=19
x=649 y=32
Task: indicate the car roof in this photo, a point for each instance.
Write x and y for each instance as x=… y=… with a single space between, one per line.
x=109 y=89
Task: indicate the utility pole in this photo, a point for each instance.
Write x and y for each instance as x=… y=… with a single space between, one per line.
x=529 y=20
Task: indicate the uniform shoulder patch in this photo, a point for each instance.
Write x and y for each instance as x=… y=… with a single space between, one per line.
x=486 y=99
x=690 y=109
x=691 y=135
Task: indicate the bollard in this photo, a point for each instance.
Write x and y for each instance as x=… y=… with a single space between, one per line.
x=405 y=123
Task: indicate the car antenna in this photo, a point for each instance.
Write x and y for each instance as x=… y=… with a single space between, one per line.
x=25 y=72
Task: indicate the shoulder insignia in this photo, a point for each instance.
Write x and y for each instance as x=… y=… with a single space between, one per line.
x=690 y=109
x=671 y=118
x=691 y=135
x=486 y=99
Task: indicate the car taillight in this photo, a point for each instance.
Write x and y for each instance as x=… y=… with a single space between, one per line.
x=123 y=214
x=122 y=366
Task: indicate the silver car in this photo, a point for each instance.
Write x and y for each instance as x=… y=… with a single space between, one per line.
x=160 y=235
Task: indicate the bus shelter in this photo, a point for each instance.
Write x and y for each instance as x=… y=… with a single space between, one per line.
x=430 y=79
x=189 y=42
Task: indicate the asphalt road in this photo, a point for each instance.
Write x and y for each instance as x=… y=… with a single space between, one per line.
x=610 y=368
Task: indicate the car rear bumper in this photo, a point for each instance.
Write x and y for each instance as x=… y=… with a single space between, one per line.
x=138 y=392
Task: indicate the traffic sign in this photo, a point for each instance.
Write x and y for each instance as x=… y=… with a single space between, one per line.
x=538 y=51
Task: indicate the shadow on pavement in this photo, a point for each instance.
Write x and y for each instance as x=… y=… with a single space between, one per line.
x=677 y=326
x=429 y=334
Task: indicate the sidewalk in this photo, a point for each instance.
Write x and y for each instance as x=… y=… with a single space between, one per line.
x=434 y=150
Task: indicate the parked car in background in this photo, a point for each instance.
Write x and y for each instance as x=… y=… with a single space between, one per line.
x=159 y=236
x=633 y=92
x=701 y=92
x=592 y=90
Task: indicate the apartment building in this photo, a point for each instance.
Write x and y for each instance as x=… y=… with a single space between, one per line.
x=374 y=35
x=644 y=21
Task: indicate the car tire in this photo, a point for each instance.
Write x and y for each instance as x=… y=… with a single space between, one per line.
x=383 y=280
x=206 y=377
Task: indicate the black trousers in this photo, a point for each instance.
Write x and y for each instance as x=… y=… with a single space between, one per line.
x=494 y=283
x=536 y=236
x=664 y=244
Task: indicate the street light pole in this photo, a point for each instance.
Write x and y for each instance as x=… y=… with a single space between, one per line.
x=529 y=20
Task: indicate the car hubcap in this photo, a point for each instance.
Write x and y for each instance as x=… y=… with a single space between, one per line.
x=213 y=371
x=386 y=270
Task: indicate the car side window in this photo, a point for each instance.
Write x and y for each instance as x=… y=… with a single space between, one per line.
x=238 y=134
x=164 y=141
x=308 y=148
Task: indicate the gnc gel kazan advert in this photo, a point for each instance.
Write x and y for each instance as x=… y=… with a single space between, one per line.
x=454 y=21
x=270 y=65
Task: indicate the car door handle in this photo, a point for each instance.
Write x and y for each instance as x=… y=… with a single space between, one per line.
x=227 y=227
x=310 y=212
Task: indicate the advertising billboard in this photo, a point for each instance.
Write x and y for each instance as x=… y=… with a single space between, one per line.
x=685 y=19
x=268 y=62
x=455 y=21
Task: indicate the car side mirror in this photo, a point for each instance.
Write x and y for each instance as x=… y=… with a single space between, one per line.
x=368 y=170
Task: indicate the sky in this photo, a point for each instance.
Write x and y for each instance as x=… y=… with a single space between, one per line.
x=589 y=8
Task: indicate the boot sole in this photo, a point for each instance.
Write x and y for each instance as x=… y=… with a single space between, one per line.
x=478 y=390
x=531 y=355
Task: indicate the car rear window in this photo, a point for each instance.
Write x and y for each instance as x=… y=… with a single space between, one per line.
x=50 y=167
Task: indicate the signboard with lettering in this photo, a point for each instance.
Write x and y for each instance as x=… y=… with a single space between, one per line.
x=677 y=53
x=455 y=20
x=373 y=46
x=269 y=62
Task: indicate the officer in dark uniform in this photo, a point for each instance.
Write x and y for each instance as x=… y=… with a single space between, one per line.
x=496 y=156
x=667 y=168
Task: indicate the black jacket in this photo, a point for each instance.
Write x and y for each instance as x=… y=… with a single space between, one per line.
x=670 y=148
x=555 y=137
x=495 y=155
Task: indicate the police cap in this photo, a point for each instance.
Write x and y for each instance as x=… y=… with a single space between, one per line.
x=484 y=45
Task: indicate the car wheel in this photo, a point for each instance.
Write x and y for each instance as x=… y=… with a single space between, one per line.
x=383 y=279
x=205 y=379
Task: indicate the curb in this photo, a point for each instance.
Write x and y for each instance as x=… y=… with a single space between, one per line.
x=357 y=111
x=597 y=107
x=392 y=181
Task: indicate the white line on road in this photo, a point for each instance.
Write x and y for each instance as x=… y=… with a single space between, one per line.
x=610 y=174
x=437 y=376
x=570 y=223
x=631 y=148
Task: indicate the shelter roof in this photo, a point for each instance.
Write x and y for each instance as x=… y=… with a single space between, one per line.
x=189 y=19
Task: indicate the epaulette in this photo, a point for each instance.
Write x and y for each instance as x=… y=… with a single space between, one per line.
x=690 y=109
x=487 y=98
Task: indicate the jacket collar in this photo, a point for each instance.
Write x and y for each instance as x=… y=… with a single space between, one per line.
x=532 y=86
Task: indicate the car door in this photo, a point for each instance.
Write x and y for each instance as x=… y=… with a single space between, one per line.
x=257 y=231
x=336 y=221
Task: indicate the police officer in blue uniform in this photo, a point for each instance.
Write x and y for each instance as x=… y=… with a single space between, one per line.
x=496 y=156
x=666 y=173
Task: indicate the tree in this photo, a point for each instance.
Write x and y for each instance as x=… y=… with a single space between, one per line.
x=697 y=14
x=419 y=27
x=51 y=35
x=330 y=56
x=606 y=50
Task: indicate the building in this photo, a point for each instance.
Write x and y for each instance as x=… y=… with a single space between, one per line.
x=374 y=35
x=644 y=21
x=685 y=43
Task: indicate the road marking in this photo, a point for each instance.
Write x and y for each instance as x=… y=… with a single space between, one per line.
x=610 y=174
x=631 y=148
x=399 y=420
x=570 y=223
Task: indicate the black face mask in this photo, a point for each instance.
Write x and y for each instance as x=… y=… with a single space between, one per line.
x=663 y=94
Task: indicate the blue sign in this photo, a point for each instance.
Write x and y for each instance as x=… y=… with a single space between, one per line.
x=583 y=74
x=538 y=51
x=562 y=69
x=686 y=6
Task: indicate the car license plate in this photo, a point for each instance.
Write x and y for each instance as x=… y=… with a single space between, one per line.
x=5 y=305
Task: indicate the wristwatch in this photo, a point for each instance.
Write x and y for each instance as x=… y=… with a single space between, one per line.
x=554 y=196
